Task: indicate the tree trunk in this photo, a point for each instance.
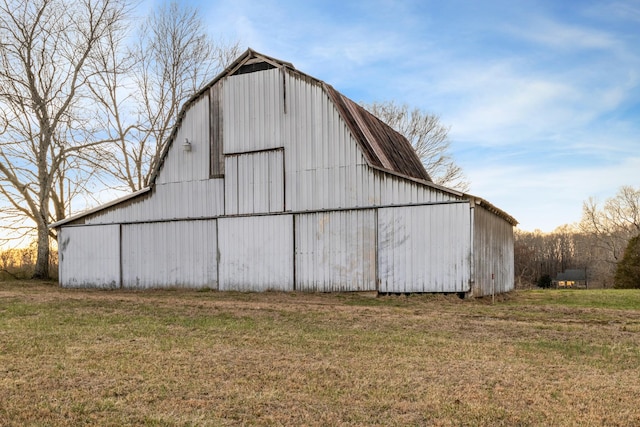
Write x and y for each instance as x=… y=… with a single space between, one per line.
x=41 y=270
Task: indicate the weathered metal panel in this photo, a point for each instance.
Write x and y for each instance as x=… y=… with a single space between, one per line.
x=321 y=156
x=336 y=251
x=492 y=253
x=180 y=165
x=176 y=254
x=424 y=248
x=89 y=256
x=216 y=144
x=394 y=190
x=252 y=106
x=325 y=166
x=256 y=253
x=254 y=182
x=178 y=200
x=383 y=146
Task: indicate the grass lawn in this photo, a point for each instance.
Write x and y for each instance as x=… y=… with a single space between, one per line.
x=553 y=357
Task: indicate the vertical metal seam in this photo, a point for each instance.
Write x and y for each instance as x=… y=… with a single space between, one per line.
x=217 y=256
x=237 y=184
x=295 y=275
x=120 y=254
x=211 y=135
x=472 y=264
x=376 y=268
x=284 y=89
x=284 y=182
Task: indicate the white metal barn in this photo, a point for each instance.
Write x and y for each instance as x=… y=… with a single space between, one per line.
x=286 y=184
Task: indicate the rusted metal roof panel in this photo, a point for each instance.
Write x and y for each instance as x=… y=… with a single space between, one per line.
x=383 y=146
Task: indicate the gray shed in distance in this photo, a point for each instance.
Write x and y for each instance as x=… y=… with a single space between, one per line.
x=287 y=185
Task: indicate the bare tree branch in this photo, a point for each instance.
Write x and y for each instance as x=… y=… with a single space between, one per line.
x=429 y=137
x=46 y=58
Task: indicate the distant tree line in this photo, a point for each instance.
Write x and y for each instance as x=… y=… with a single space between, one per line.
x=605 y=242
x=19 y=263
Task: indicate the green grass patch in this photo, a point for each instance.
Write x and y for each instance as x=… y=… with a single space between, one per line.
x=622 y=299
x=71 y=357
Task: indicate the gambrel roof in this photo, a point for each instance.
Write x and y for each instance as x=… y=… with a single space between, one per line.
x=384 y=148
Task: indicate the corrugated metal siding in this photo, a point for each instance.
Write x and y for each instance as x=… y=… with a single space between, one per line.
x=180 y=165
x=424 y=248
x=394 y=190
x=170 y=254
x=256 y=253
x=324 y=165
x=191 y=199
x=252 y=108
x=321 y=156
x=216 y=144
x=254 y=182
x=336 y=251
x=89 y=256
x=493 y=254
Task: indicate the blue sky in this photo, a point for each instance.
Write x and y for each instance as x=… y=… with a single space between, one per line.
x=543 y=97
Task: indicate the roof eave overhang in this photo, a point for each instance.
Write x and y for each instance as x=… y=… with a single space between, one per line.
x=99 y=208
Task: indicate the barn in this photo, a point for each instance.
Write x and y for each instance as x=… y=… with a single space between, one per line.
x=273 y=180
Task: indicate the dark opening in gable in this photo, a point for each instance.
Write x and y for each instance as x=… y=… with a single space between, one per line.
x=252 y=68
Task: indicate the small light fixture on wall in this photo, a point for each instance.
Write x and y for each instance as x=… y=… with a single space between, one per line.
x=186 y=146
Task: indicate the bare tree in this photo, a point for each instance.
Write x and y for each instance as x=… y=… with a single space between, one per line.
x=141 y=96
x=429 y=137
x=611 y=227
x=47 y=50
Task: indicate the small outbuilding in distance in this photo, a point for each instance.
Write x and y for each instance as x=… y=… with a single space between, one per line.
x=273 y=180
x=571 y=278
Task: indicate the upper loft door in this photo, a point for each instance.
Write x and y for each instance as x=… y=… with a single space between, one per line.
x=254 y=182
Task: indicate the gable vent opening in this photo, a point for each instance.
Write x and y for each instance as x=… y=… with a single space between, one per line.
x=252 y=68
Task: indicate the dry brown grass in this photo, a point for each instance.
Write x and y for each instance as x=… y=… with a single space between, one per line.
x=72 y=357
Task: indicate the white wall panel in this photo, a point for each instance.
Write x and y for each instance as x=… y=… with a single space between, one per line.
x=252 y=110
x=321 y=157
x=180 y=254
x=191 y=199
x=89 y=256
x=336 y=251
x=256 y=253
x=254 y=182
x=180 y=165
x=424 y=248
x=493 y=253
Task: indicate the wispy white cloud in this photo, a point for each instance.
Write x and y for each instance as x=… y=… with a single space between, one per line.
x=556 y=35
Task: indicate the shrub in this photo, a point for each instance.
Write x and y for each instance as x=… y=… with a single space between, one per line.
x=628 y=269
x=544 y=281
